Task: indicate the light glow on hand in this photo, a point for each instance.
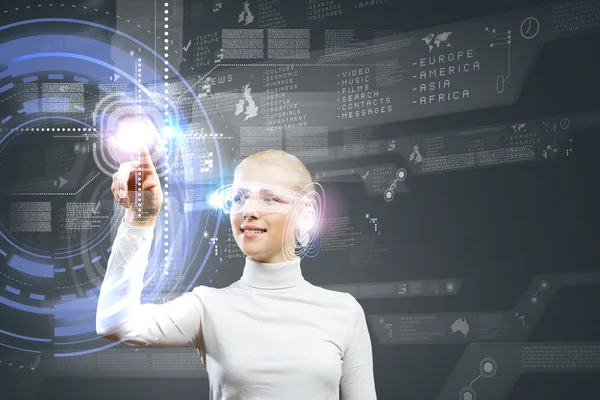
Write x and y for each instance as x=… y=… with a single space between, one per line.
x=131 y=133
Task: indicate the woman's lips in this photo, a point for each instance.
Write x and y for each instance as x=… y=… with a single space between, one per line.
x=250 y=235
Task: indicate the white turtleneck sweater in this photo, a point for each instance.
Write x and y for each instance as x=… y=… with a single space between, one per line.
x=270 y=336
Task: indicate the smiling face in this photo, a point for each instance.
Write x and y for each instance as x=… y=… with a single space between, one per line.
x=265 y=247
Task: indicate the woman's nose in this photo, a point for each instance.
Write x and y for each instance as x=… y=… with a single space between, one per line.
x=249 y=207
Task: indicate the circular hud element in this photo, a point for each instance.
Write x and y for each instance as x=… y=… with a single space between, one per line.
x=57 y=213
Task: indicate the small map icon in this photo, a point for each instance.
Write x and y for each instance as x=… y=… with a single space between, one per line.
x=435 y=40
x=246 y=15
x=247 y=105
x=460 y=325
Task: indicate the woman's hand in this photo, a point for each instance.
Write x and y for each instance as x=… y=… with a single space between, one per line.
x=136 y=187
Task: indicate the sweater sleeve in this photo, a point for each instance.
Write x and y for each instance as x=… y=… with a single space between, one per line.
x=357 y=382
x=119 y=314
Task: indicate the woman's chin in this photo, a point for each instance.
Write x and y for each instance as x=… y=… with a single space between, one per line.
x=251 y=249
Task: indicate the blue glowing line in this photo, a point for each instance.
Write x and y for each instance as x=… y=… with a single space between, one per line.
x=33 y=339
x=12 y=290
x=23 y=307
x=18 y=348
x=31 y=267
x=6 y=87
x=84 y=352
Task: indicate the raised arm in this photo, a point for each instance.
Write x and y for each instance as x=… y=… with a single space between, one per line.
x=120 y=315
x=357 y=382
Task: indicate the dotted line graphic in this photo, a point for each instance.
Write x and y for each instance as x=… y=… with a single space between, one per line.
x=297 y=65
x=58 y=129
x=79 y=284
x=16 y=280
x=166 y=178
x=52 y=5
x=374 y=49
x=56 y=194
x=199 y=80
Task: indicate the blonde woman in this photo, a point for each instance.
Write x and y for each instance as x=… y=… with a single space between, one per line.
x=271 y=335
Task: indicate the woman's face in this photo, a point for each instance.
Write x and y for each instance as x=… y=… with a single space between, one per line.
x=266 y=247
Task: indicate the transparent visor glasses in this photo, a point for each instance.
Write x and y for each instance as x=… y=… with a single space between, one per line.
x=264 y=198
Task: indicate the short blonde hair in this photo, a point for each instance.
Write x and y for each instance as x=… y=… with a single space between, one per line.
x=303 y=182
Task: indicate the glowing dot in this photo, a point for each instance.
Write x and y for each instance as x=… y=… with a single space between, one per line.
x=166 y=76
x=166 y=26
x=166 y=4
x=166 y=33
x=166 y=55
x=166 y=18
x=166 y=11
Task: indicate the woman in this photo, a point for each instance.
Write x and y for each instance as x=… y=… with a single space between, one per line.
x=271 y=335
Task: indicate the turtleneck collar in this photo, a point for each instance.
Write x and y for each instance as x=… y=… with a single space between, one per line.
x=272 y=275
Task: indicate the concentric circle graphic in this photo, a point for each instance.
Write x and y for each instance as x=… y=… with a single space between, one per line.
x=61 y=106
x=488 y=367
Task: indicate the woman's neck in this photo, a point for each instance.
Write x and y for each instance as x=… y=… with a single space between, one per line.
x=279 y=275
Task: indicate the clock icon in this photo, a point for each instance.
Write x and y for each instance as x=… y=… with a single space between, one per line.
x=530 y=27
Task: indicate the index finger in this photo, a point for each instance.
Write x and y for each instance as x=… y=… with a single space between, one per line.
x=146 y=163
x=123 y=175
